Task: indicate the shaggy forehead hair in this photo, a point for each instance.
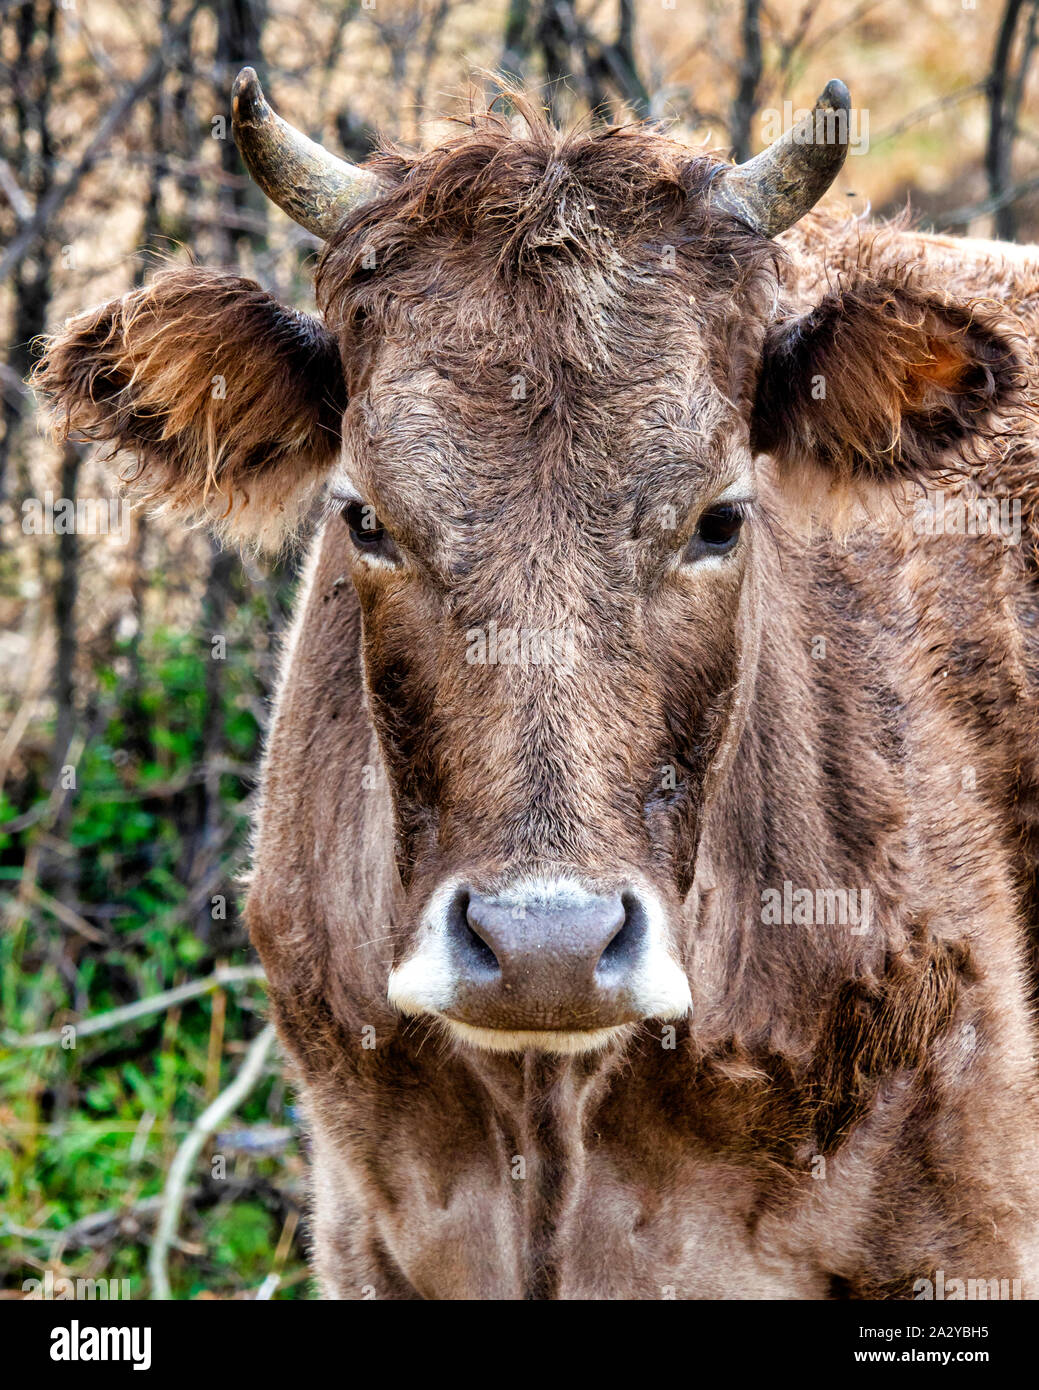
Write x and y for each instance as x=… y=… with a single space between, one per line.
x=513 y=225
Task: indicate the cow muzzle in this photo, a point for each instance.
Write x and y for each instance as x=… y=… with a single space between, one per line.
x=544 y=964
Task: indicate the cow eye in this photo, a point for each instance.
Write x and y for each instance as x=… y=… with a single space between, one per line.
x=368 y=533
x=717 y=531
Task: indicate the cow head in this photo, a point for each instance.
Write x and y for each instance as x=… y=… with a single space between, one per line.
x=537 y=402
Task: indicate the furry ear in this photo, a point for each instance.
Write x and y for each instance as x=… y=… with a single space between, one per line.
x=883 y=383
x=231 y=403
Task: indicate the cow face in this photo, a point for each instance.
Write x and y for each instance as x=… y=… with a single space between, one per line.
x=536 y=405
x=547 y=502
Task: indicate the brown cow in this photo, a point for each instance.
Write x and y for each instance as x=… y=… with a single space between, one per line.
x=644 y=874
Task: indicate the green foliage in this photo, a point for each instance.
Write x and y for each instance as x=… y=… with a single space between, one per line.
x=137 y=852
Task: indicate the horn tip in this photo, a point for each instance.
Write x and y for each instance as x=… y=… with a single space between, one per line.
x=835 y=96
x=247 y=99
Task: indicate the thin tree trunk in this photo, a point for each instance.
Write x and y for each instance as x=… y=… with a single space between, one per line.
x=32 y=82
x=1001 y=135
x=518 y=41
x=66 y=636
x=216 y=605
x=745 y=105
x=152 y=219
x=239 y=27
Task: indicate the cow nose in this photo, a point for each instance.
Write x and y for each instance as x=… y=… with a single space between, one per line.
x=544 y=961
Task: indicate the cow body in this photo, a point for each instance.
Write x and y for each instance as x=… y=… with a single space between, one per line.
x=694 y=960
x=847 y=1110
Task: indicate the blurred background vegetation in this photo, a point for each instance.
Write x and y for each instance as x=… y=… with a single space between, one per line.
x=136 y=675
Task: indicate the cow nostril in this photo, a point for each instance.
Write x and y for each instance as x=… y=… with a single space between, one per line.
x=477 y=952
x=624 y=947
x=561 y=945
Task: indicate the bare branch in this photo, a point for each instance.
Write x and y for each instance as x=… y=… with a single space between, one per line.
x=113 y=119
x=929 y=108
x=184 y=1160
x=69 y=917
x=972 y=210
x=155 y=1003
x=11 y=189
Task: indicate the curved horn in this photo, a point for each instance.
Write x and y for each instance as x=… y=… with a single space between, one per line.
x=777 y=187
x=314 y=187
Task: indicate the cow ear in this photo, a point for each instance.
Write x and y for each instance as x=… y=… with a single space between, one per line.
x=230 y=402
x=884 y=384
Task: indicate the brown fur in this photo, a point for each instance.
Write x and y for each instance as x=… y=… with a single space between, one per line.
x=843 y=1113
x=230 y=402
x=907 y=378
